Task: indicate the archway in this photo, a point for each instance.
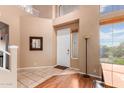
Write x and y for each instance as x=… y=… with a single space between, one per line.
x=4 y=43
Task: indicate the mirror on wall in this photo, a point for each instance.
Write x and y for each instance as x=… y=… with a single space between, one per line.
x=4 y=42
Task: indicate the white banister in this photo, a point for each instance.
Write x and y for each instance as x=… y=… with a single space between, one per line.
x=4 y=51
x=9 y=78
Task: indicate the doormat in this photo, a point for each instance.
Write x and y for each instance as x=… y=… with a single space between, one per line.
x=61 y=67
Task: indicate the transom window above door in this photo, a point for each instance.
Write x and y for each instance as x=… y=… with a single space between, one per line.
x=65 y=9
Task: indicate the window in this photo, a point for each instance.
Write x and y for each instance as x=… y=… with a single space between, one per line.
x=106 y=42
x=112 y=43
x=112 y=52
x=104 y=9
x=65 y=9
x=30 y=9
x=118 y=43
x=74 y=44
x=112 y=46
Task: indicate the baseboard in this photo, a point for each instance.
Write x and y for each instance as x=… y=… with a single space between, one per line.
x=4 y=70
x=74 y=68
x=96 y=76
x=24 y=68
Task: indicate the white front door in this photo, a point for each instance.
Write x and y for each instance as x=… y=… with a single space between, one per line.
x=63 y=47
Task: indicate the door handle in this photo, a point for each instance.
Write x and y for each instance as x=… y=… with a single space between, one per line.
x=67 y=51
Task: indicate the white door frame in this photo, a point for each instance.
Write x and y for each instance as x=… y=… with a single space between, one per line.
x=69 y=62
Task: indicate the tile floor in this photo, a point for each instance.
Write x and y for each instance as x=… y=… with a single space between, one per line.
x=30 y=78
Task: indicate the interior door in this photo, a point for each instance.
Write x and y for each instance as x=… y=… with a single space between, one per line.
x=63 y=47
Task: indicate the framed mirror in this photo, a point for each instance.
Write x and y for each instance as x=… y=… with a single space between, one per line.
x=36 y=43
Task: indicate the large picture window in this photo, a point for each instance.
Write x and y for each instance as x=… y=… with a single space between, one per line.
x=104 y=9
x=112 y=46
x=106 y=43
x=118 y=43
x=112 y=43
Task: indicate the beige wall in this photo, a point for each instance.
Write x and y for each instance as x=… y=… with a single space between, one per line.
x=88 y=25
x=33 y=26
x=8 y=78
x=11 y=16
x=66 y=18
x=45 y=10
x=68 y=21
x=19 y=35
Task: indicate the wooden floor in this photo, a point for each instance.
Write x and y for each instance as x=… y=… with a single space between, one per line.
x=67 y=81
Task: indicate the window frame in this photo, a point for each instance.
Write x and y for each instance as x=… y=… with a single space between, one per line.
x=76 y=31
x=111 y=21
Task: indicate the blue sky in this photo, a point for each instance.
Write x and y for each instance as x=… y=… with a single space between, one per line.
x=109 y=8
x=112 y=34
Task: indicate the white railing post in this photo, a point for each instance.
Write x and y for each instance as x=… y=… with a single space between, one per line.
x=13 y=63
x=8 y=77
